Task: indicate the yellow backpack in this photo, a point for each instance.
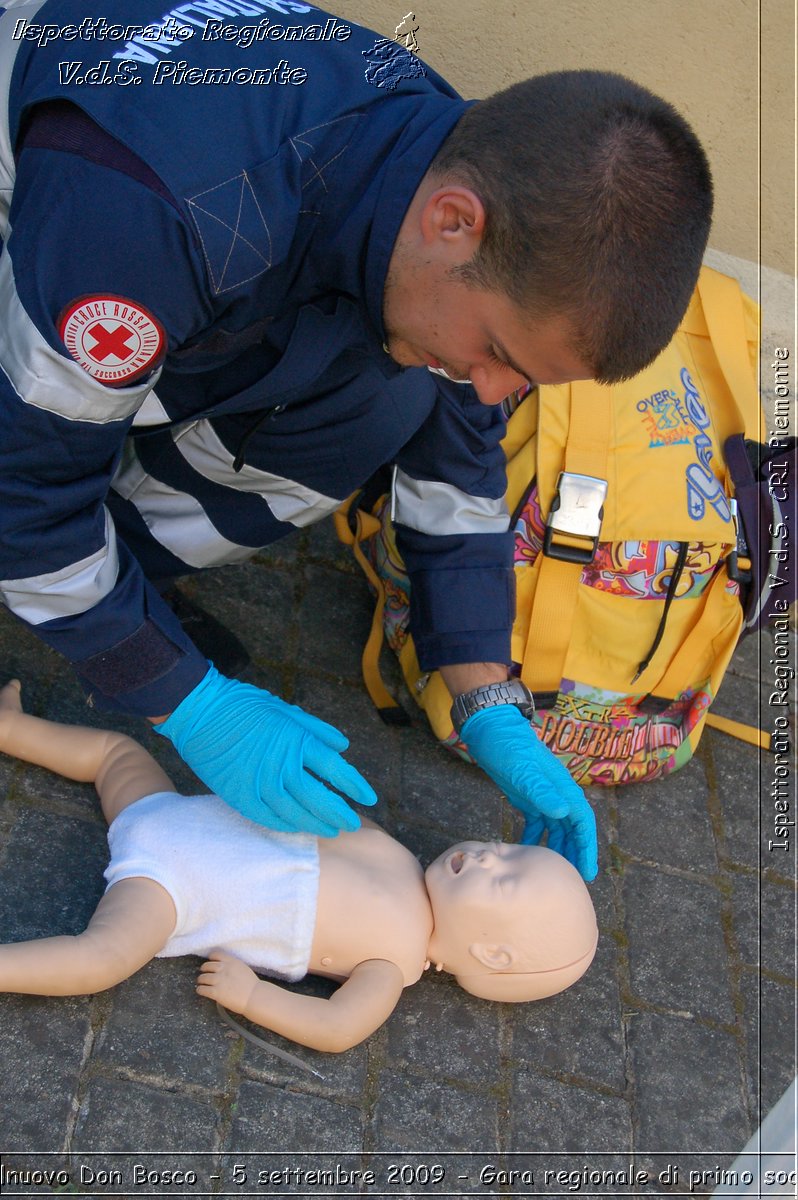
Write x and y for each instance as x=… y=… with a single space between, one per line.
x=625 y=538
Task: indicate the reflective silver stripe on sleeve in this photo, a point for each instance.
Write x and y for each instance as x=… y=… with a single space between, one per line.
x=175 y=519
x=43 y=378
x=68 y=592
x=288 y=500
x=151 y=412
x=439 y=508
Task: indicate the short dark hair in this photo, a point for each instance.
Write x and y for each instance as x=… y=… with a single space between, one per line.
x=598 y=199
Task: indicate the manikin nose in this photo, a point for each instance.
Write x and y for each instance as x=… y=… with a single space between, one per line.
x=486 y=856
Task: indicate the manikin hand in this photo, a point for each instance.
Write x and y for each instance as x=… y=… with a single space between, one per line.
x=269 y=760
x=227 y=980
x=506 y=746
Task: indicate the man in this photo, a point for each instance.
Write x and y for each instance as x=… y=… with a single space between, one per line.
x=229 y=257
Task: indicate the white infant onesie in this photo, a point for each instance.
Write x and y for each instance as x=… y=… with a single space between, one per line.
x=235 y=885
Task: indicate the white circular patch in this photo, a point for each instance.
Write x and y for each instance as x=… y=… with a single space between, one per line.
x=114 y=340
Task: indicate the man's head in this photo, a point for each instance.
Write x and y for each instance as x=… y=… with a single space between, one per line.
x=576 y=203
x=511 y=922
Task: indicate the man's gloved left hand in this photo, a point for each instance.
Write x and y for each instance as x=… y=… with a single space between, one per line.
x=269 y=760
x=506 y=746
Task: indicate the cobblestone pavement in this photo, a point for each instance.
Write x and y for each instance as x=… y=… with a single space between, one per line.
x=652 y=1067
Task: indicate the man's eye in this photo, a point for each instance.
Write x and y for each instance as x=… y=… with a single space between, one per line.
x=498 y=361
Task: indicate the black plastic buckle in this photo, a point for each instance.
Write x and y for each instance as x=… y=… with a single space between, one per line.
x=743 y=575
x=394 y=716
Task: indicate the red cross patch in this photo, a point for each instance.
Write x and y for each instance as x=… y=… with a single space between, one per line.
x=113 y=339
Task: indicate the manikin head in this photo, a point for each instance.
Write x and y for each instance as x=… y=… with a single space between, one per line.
x=511 y=922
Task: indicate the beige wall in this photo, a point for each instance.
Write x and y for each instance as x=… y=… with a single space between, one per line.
x=702 y=55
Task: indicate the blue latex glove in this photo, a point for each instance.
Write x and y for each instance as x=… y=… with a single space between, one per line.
x=257 y=753
x=506 y=746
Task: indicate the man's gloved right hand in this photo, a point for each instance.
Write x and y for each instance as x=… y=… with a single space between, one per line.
x=506 y=746
x=257 y=753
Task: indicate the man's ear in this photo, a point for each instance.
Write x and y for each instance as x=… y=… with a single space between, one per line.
x=456 y=215
x=494 y=956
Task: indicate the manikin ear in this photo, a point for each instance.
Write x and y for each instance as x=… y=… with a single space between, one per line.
x=455 y=217
x=494 y=956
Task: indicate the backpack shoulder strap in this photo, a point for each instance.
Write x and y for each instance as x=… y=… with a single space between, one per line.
x=554 y=604
x=354 y=526
x=724 y=313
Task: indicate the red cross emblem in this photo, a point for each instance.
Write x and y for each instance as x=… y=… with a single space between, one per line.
x=114 y=340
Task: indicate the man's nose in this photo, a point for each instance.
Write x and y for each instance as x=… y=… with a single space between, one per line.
x=492 y=386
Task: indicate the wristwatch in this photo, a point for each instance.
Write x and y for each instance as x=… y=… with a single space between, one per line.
x=509 y=691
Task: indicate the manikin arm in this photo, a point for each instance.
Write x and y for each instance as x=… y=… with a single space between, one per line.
x=131 y=924
x=134 y=919
x=359 y=1006
x=121 y=770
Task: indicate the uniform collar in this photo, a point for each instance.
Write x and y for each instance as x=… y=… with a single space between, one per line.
x=397 y=142
x=421 y=139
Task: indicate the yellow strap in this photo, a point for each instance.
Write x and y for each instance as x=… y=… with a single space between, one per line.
x=736 y=729
x=722 y=302
x=557 y=586
x=550 y=624
x=366 y=526
x=341 y=520
x=370 y=659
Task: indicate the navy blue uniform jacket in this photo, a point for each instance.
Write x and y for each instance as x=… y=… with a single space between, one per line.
x=196 y=234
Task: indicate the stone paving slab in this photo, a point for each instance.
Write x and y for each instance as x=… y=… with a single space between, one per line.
x=658 y=824
x=659 y=1056
x=578 y=1035
x=555 y=1117
x=668 y=966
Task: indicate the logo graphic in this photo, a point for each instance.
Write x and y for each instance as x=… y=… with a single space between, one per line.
x=390 y=62
x=112 y=339
x=702 y=486
x=665 y=420
x=406 y=32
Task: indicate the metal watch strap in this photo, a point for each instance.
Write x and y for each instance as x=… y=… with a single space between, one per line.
x=490 y=695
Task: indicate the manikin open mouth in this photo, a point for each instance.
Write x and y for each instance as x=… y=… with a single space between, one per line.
x=456 y=862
